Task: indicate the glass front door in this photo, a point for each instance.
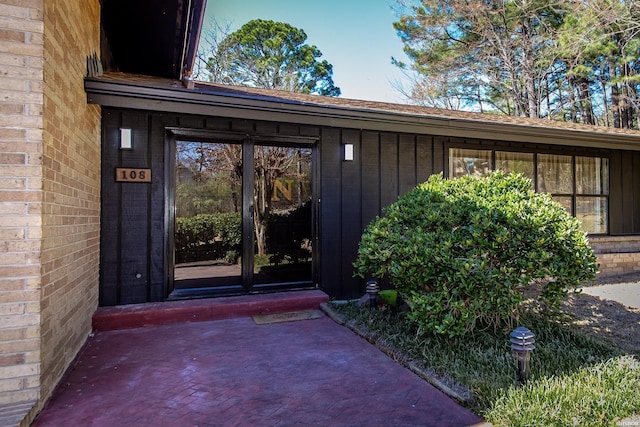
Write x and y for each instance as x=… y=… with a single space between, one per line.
x=208 y=216
x=282 y=216
x=220 y=251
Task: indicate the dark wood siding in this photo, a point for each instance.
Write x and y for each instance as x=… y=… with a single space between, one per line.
x=135 y=233
x=134 y=256
x=407 y=165
x=635 y=183
x=158 y=269
x=616 y=219
x=351 y=213
x=438 y=156
x=424 y=158
x=370 y=172
x=330 y=215
x=133 y=267
x=388 y=168
x=110 y=212
x=624 y=202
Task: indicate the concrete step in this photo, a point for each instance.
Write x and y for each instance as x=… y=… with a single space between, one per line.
x=162 y=313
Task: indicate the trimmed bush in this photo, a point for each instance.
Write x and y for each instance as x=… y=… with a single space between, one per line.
x=460 y=251
x=214 y=235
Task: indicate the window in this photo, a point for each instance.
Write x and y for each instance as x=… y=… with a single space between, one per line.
x=515 y=162
x=469 y=162
x=592 y=191
x=554 y=174
x=579 y=183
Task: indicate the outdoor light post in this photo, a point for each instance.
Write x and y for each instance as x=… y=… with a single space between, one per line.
x=372 y=290
x=522 y=344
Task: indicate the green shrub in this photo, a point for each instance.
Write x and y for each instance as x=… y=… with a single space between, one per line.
x=260 y=261
x=232 y=257
x=213 y=234
x=460 y=251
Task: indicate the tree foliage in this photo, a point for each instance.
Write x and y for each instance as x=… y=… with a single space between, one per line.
x=271 y=163
x=272 y=55
x=460 y=251
x=560 y=59
x=214 y=182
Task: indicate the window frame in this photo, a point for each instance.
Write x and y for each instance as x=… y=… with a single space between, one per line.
x=573 y=154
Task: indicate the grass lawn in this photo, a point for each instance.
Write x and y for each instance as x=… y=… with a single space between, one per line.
x=576 y=380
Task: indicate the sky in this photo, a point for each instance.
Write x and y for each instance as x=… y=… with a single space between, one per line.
x=355 y=36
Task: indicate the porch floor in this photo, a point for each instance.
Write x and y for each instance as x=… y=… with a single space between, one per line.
x=233 y=372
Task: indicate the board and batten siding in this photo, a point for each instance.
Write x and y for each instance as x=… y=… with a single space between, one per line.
x=134 y=252
x=624 y=199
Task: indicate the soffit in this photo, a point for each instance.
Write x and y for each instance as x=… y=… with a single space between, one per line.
x=152 y=37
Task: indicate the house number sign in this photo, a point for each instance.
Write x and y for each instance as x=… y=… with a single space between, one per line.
x=133 y=175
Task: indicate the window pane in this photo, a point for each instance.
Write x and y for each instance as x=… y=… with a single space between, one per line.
x=592 y=175
x=592 y=212
x=554 y=174
x=565 y=201
x=208 y=193
x=515 y=162
x=469 y=162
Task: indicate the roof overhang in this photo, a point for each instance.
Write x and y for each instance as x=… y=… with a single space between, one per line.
x=152 y=37
x=217 y=101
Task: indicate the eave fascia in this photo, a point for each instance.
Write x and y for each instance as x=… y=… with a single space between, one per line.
x=179 y=100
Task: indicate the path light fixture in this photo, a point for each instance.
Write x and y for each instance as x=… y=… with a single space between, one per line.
x=522 y=344
x=372 y=290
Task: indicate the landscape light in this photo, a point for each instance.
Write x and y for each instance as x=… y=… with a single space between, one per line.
x=522 y=344
x=372 y=291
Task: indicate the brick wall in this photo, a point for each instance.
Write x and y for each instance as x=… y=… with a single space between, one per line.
x=49 y=195
x=71 y=186
x=21 y=130
x=617 y=255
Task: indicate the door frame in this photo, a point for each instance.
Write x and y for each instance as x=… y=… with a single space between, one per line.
x=248 y=142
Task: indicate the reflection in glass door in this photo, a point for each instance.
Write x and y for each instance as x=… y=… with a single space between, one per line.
x=208 y=216
x=243 y=219
x=282 y=216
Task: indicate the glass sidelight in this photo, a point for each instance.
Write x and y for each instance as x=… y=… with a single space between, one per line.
x=282 y=215
x=243 y=218
x=208 y=215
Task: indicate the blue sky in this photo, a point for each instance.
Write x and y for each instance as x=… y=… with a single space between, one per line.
x=355 y=36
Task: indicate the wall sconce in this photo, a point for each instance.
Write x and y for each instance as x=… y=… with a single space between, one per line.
x=348 y=152
x=125 y=139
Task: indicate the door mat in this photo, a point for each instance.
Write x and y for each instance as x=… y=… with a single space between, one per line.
x=288 y=316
